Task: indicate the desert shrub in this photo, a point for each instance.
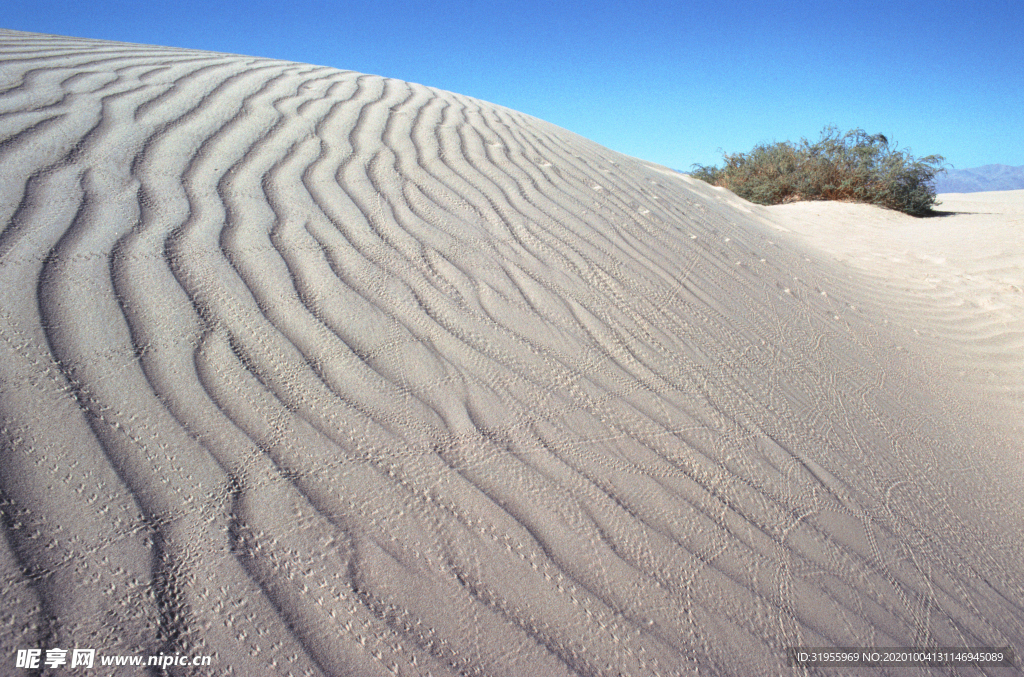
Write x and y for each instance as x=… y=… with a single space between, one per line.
x=854 y=166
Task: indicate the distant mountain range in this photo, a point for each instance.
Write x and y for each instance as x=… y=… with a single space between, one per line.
x=978 y=179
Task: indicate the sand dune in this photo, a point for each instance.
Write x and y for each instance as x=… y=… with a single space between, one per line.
x=323 y=373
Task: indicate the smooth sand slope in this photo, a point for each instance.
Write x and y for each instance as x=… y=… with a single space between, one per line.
x=956 y=282
x=323 y=373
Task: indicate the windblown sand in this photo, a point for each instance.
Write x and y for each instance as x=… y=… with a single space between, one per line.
x=322 y=373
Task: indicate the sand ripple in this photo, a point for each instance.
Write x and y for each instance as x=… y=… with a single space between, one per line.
x=327 y=373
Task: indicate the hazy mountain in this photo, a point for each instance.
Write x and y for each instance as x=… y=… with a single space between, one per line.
x=977 y=179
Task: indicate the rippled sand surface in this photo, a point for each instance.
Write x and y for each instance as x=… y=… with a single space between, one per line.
x=323 y=373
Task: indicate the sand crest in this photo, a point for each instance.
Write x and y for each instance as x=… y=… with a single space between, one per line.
x=324 y=373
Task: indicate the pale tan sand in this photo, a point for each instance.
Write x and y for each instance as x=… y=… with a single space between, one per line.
x=955 y=281
x=325 y=373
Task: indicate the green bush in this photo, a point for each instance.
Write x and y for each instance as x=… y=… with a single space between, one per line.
x=855 y=166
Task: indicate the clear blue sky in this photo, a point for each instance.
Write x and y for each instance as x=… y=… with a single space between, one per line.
x=669 y=81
